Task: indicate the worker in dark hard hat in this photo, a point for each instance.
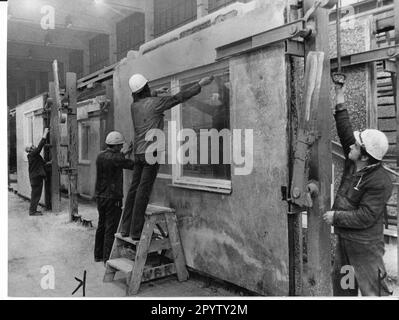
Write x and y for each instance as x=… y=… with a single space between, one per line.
x=109 y=192
x=359 y=208
x=37 y=173
x=147 y=113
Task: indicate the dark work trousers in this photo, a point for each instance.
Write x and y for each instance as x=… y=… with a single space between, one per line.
x=36 y=193
x=367 y=262
x=109 y=214
x=138 y=196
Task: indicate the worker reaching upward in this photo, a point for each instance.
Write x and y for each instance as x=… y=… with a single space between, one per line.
x=147 y=113
x=37 y=173
x=359 y=207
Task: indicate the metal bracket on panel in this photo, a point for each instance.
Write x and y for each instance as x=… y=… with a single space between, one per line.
x=367 y=56
x=389 y=66
x=297 y=29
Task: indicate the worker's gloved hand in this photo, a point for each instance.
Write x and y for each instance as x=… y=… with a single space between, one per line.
x=129 y=149
x=45 y=133
x=339 y=79
x=163 y=90
x=206 y=81
x=328 y=217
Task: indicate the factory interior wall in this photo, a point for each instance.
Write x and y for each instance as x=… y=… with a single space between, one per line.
x=240 y=237
x=32 y=105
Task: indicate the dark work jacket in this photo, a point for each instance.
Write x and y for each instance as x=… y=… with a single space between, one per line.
x=362 y=196
x=36 y=162
x=109 y=179
x=148 y=113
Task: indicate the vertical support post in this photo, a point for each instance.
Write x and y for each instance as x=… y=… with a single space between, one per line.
x=202 y=8
x=149 y=20
x=396 y=88
x=54 y=141
x=319 y=244
x=73 y=144
x=47 y=153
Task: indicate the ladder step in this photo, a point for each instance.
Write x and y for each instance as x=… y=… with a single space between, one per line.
x=149 y=273
x=155 y=246
x=154 y=210
x=121 y=264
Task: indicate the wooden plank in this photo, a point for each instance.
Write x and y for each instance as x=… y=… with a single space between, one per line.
x=154 y=210
x=307 y=129
x=319 y=245
x=121 y=264
x=155 y=246
x=177 y=249
x=54 y=140
x=73 y=152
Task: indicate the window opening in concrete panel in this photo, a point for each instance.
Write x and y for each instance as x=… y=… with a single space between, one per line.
x=206 y=111
x=84 y=142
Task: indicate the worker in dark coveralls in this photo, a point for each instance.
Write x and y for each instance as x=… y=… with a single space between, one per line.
x=147 y=113
x=37 y=173
x=359 y=207
x=109 y=192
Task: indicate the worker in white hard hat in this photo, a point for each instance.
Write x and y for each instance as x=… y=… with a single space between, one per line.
x=358 y=211
x=147 y=113
x=109 y=191
x=37 y=173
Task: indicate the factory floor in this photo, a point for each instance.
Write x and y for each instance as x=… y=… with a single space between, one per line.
x=35 y=243
x=50 y=240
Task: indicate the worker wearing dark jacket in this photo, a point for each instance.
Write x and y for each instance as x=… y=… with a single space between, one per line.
x=109 y=192
x=37 y=173
x=359 y=208
x=147 y=113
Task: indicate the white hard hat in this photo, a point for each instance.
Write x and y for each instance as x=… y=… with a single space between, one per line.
x=114 y=138
x=374 y=142
x=137 y=82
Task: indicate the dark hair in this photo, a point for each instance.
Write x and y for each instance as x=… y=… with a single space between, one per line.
x=142 y=94
x=370 y=160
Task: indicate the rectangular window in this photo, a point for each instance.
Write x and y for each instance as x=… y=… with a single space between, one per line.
x=171 y=14
x=130 y=34
x=84 y=143
x=99 y=52
x=206 y=113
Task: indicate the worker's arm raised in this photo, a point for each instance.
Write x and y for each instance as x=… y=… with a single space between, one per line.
x=41 y=143
x=344 y=127
x=166 y=103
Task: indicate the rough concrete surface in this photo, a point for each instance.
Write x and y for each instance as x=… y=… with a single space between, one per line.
x=35 y=242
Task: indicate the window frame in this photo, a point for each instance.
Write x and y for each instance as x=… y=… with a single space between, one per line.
x=81 y=125
x=178 y=178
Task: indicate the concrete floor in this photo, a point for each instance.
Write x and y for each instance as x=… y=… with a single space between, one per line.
x=35 y=242
x=49 y=240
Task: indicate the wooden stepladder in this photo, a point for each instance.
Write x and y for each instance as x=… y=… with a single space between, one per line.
x=145 y=260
